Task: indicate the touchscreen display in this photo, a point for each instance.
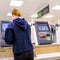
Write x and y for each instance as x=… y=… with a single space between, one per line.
x=43 y=27
x=4 y=26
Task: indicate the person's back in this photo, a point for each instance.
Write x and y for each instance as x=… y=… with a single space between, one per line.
x=18 y=34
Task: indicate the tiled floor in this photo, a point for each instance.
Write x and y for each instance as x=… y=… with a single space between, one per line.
x=11 y=58
x=49 y=56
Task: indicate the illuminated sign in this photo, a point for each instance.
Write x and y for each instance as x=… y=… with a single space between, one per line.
x=43 y=11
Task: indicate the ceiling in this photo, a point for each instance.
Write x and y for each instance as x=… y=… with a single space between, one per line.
x=28 y=8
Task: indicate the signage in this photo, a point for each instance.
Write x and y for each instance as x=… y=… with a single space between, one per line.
x=43 y=11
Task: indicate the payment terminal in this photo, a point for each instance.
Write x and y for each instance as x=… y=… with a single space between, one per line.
x=3 y=26
x=43 y=32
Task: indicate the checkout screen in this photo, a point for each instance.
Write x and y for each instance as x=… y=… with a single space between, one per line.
x=43 y=27
x=4 y=26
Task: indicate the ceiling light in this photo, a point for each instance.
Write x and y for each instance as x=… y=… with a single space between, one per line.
x=16 y=3
x=57 y=7
x=9 y=14
x=34 y=15
x=48 y=16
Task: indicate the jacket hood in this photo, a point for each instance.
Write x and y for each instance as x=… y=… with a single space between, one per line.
x=21 y=23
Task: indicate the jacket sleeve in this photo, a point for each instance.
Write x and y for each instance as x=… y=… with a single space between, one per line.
x=9 y=36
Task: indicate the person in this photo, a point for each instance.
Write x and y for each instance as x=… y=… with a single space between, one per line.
x=18 y=34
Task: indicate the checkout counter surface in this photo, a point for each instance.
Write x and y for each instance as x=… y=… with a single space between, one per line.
x=41 y=49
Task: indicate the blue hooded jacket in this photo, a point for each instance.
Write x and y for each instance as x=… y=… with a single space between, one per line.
x=18 y=34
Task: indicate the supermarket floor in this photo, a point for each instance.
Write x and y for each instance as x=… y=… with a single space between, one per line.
x=49 y=56
x=11 y=58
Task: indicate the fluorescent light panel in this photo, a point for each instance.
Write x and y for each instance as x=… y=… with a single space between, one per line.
x=48 y=16
x=16 y=3
x=34 y=15
x=57 y=7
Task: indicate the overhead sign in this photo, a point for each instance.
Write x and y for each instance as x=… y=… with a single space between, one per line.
x=43 y=11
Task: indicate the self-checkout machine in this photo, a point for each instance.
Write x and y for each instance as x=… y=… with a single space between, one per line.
x=43 y=39
x=41 y=33
x=5 y=50
x=41 y=36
